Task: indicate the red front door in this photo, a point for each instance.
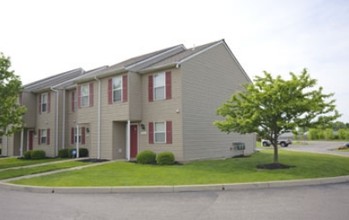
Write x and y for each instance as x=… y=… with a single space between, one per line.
x=31 y=136
x=134 y=141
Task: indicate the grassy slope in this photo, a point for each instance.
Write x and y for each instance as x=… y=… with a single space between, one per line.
x=40 y=169
x=9 y=162
x=235 y=170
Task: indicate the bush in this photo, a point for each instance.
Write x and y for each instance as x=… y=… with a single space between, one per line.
x=146 y=157
x=83 y=152
x=165 y=158
x=27 y=155
x=38 y=154
x=63 y=153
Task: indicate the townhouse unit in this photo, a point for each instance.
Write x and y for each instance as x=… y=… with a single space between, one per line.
x=161 y=101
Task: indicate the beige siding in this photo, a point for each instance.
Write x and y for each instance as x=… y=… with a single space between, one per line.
x=135 y=96
x=161 y=111
x=209 y=79
x=70 y=117
x=29 y=101
x=45 y=120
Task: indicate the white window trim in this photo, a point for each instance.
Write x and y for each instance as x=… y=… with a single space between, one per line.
x=42 y=102
x=88 y=96
x=121 y=89
x=165 y=131
x=155 y=87
x=42 y=136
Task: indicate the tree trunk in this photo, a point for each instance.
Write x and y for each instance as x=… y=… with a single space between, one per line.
x=276 y=153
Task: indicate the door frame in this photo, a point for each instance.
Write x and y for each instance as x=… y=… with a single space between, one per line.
x=137 y=147
x=30 y=131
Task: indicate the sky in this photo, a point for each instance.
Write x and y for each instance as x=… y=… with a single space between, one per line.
x=47 y=37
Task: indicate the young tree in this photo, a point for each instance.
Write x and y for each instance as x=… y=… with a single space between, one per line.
x=10 y=111
x=271 y=106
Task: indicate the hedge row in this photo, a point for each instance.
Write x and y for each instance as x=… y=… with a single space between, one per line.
x=34 y=155
x=149 y=157
x=71 y=152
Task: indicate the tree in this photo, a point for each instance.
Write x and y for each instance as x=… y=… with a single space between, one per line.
x=271 y=106
x=10 y=111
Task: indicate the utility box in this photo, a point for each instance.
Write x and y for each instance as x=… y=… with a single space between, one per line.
x=239 y=145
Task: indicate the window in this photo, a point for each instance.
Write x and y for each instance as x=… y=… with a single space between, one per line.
x=43 y=136
x=160 y=132
x=44 y=102
x=77 y=135
x=159 y=86
x=85 y=91
x=117 y=89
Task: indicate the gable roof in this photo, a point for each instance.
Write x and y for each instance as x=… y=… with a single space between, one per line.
x=49 y=82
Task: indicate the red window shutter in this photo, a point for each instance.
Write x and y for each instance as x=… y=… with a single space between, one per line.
x=83 y=135
x=91 y=94
x=39 y=104
x=168 y=85
x=150 y=88
x=124 y=88
x=39 y=136
x=110 y=91
x=72 y=101
x=48 y=137
x=168 y=132
x=151 y=133
x=79 y=96
x=48 y=102
x=71 y=135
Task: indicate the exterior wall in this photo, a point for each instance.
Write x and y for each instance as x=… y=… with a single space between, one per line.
x=209 y=79
x=161 y=111
x=70 y=117
x=29 y=101
x=110 y=113
x=135 y=96
x=87 y=117
x=45 y=120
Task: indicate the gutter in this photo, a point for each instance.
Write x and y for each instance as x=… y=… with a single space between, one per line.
x=56 y=121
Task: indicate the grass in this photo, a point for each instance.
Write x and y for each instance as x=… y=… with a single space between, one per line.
x=235 y=170
x=5 y=174
x=8 y=162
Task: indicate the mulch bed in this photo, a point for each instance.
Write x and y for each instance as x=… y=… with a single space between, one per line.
x=273 y=166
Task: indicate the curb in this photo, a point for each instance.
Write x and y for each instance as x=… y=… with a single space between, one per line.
x=177 y=189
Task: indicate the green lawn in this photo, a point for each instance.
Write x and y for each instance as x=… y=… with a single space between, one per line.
x=5 y=174
x=234 y=170
x=8 y=162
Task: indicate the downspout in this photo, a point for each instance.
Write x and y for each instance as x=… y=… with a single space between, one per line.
x=56 y=120
x=99 y=120
x=21 y=146
x=63 y=121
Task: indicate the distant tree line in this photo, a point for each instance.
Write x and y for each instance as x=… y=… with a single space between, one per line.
x=336 y=131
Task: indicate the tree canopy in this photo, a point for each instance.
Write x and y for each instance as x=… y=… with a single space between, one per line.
x=270 y=106
x=11 y=111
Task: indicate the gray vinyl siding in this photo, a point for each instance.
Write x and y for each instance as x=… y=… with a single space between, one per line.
x=209 y=79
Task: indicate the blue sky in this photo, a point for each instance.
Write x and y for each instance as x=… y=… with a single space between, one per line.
x=44 y=38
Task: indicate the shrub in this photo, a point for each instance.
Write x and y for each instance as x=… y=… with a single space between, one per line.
x=63 y=153
x=83 y=152
x=146 y=157
x=38 y=154
x=165 y=158
x=27 y=155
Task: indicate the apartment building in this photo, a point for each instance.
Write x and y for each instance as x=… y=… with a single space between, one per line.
x=162 y=101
